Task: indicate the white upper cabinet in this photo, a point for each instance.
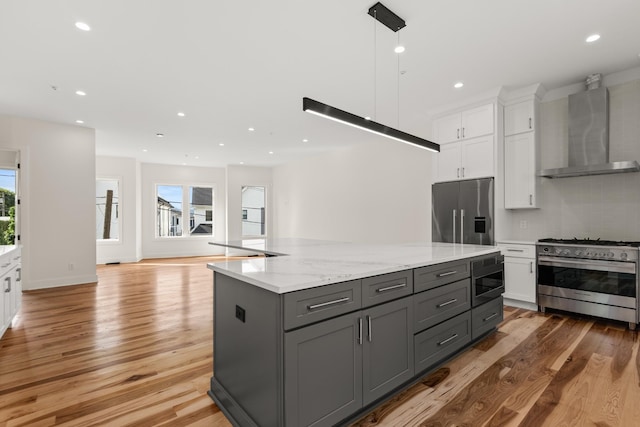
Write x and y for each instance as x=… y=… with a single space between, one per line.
x=466 y=144
x=520 y=155
x=466 y=124
x=519 y=117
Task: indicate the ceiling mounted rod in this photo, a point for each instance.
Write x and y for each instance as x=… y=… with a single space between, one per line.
x=385 y=16
x=318 y=108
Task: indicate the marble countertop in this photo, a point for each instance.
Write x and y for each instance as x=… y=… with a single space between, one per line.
x=306 y=263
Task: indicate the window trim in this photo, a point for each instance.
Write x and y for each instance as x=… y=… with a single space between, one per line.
x=119 y=240
x=186 y=206
x=266 y=213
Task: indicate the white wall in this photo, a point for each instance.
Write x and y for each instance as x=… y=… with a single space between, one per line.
x=126 y=171
x=58 y=200
x=237 y=177
x=602 y=206
x=154 y=174
x=379 y=191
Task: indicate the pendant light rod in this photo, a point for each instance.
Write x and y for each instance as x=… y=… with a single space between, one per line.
x=318 y=108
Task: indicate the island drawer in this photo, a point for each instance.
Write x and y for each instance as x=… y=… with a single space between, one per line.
x=315 y=304
x=432 y=276
x=486 y=317
x=386 y=287
x=437 y=305
x=437 y=343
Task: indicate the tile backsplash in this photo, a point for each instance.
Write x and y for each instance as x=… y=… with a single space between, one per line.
x=601 y=206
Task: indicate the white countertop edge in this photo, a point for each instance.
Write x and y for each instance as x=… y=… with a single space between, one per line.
x=374 y=271
x=515 y=242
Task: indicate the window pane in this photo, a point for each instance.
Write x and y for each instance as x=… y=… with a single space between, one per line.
x=253 y=211
x=201 y=210
x=7 y=206
x=169 y=210
x=107 y=209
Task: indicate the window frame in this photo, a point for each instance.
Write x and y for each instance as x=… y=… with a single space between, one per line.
x=266 y=213
x=120 y=238
x=185 y=219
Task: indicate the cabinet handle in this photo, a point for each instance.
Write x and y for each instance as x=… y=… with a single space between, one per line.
x=530 y=123
x=8 y=280
x=454 y=336
x=530 y=199
x=486 y=319
x=515 y=250
x=531 y=267
x=360 y=330
x=19 y=271
x=447 y=303
x=5 y=265
x=390 y=288
x=324 y=304
x=458 y=172
x=448 y=273
x=463 y=172
x=369 y=328
x=458 y=133
x=463 y=132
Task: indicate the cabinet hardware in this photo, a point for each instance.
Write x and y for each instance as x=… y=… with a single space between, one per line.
x=19 y=271
x=360 y=330
x=448 y=273
x=8 y=280
x=458 y=133
x=454 y=227
x=454 y=336
x=515 y=250
x=463 y=172
x=531 y=267
x=486 y=319
x=5 y=265
x=324 y=304
x=447 y=303
x=369 y=328
x=463 y=132
x=461 y=224
x=529 y=122
x=390 y=288
x=530 y=199
x=458 y=173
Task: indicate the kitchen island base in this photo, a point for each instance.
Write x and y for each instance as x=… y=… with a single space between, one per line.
x=327 y=355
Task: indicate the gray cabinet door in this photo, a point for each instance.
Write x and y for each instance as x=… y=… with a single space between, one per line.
x=387 y=359
x=323 y=372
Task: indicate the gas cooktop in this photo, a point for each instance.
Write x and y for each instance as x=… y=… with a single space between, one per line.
x=592 y=242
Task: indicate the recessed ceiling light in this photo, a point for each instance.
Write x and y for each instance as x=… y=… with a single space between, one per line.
x=160 y=135
x=251 y=129
x=83 y=26
x=221 y=144
x=242 y=163
x=79 y=122
x=458 y=85
x=399 y=49
x=197 y=157
x=144 y=150
x=592 y=38
x=184 y=164
x=270 y=152
x=305 y=140
x=81 y=93
x=181 y=114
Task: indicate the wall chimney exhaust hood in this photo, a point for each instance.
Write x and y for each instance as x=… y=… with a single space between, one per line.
x=589 y=136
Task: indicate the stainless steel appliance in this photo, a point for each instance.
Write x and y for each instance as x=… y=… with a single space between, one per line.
x=487 y=279
x=462 y=211
x=594 y=277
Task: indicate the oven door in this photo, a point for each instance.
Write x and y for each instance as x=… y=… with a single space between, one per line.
x=487 y=282
x=604 y=282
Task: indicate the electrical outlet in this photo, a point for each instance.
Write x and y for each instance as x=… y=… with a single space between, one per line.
x=523 y=224
x=240 y=314
x=71 y=266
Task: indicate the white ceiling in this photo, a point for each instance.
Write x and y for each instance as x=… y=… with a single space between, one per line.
x=231 y=65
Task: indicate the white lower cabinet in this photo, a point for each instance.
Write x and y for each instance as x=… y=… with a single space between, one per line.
x=519 y=271
x=10 y=288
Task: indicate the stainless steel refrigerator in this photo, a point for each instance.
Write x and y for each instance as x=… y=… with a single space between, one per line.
x=462 y=211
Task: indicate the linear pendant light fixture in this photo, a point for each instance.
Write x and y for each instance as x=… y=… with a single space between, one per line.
x=323 y=110
x=392 y=21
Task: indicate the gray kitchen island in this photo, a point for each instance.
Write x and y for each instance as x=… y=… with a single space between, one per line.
x=318 y=333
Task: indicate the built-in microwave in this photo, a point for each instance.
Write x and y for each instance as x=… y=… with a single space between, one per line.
x=487 y=279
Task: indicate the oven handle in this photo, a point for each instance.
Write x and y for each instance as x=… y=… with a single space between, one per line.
x=592 y=264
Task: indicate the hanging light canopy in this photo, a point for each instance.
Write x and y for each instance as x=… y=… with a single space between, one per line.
x=323 y=110
x=392 y=21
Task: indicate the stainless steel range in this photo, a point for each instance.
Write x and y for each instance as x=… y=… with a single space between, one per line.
x=594 y=277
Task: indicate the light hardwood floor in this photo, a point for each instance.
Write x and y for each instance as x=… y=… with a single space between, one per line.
x=136 y=350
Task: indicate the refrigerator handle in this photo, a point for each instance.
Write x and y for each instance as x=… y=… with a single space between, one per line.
x=461 y=225
x=454 y=226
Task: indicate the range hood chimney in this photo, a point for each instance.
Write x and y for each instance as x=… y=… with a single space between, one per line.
x=589 y=135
